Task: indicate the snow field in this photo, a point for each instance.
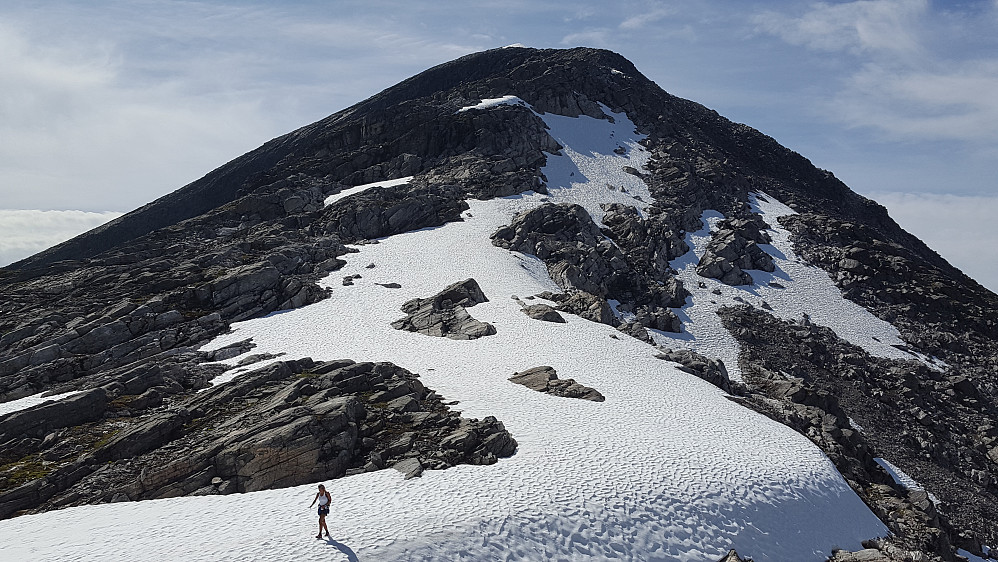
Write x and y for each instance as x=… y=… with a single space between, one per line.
x=665 y=469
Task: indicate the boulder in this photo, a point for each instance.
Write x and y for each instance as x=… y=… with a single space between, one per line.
x=545 y=379
x=544 y=313
x=445 y=314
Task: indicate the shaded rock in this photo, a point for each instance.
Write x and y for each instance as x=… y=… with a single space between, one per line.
x=543 y=312
x=733 y=248
x=444 y=314
x=710 y=370
x=584 y=305
x=732 y=556
x=545 y=379
x=285 y=424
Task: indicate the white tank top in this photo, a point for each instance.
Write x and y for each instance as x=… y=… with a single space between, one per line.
x=323 y=500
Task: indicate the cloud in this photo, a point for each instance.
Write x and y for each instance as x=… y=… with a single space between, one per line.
x=917 y=73
x=111 y=106
x=953 y=104
x=641 y=20
x=866 y=25
x=24 y=233
x=961 y=229
x=595 y=37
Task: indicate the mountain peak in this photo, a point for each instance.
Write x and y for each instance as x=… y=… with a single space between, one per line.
x=313 y=309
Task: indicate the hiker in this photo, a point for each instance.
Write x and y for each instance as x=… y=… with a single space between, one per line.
x=324 y=499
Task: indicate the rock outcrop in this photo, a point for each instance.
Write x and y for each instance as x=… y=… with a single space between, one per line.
x=591 y=268
x=445 y=314
x=545 y=379
x=710 y=370
x=284 y=424
x=733 y=248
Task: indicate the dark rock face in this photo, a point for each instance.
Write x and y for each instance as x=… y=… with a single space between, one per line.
x=545 y=379
x=569 y=242
x=733 y=248
x=590 y=268
x=445 y=314
x=824 y=382
x=286 y=424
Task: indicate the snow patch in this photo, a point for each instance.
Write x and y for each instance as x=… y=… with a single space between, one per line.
x=32 y=401
x=903 y=480
x=358 y=188
x=494 y=102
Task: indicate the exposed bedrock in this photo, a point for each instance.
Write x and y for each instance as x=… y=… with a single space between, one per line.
x=590 y=268
x=710 y=370
x=544 y=313
x=937 y=427
x=545 y=379
x=733 y=248
x=445 y=314
x=285 y=424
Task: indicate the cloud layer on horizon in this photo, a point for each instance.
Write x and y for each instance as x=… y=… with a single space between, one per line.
x=24 y=233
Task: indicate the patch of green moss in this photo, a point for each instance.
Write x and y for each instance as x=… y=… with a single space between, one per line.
x=105 y=439
x=24 y=470
x=123 y=401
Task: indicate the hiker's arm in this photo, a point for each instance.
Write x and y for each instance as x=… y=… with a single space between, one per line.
x=313 y=500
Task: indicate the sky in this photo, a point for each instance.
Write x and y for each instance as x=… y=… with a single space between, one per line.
x=106 y=105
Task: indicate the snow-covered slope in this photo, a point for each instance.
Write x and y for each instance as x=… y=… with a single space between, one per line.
x=665 y=469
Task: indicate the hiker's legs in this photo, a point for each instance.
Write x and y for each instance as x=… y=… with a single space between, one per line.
x=322 y=526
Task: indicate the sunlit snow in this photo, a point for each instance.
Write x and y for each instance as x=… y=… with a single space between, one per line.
x=358 y=188
x=494 y=102
x=30 y=401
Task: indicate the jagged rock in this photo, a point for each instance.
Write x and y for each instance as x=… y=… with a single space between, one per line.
x=445 y=314
x=710 y=370
x=543 y=312
x=636 y=330
x=733 y=248
x=584 y=305
x=581 y=260
x=285 y=424
x=732 y=556
x=40 y=420
x=545 y=379
x=865 y=555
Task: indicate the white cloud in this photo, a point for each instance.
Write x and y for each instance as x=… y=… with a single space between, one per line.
x=865 y=25
x=591 y=38
x=641 y=20
x=962 y=229
x=915 y=72
x=954 y=104
x=110 y=107
x=24 y=232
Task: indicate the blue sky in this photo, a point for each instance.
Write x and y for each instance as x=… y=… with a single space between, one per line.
x=106 y=105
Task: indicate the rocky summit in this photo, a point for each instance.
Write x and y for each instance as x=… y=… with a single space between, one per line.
x=756 y=346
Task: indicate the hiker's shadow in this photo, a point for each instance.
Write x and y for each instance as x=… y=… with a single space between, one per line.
x=351 y=555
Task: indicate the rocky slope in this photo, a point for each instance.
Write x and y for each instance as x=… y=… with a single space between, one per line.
x=119 y=313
